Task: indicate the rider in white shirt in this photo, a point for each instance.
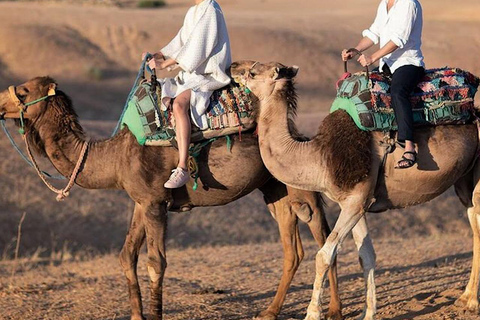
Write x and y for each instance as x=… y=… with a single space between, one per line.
x=398 y=30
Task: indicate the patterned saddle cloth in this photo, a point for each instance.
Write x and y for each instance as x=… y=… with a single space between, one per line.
x=230 y=111
x=444 y=96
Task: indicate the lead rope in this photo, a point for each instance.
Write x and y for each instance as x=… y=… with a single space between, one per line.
x=61 y=193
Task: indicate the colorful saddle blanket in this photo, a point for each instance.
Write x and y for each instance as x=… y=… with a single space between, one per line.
x=230 y=111
x=444 y=96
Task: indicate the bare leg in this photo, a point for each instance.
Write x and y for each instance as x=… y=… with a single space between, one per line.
x=129 y=259
x=156 y=228
x=181 y=107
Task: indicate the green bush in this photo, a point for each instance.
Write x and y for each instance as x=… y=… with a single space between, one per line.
x=150 y=3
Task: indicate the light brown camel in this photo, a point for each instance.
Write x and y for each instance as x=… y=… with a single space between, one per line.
x=344 y=163
x=53 y=130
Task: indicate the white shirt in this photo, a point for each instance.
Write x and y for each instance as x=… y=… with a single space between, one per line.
x=403 y=26
x=202 y=50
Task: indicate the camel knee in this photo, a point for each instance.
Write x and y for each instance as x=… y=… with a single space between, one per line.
x=323 y=261
x=302 y=210
x=156 y=268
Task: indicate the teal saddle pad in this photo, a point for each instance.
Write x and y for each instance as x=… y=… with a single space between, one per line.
x=230 y=110
x=443 y=96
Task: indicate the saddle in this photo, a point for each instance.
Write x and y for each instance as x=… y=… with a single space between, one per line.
x=230 y=111
x=443 y=96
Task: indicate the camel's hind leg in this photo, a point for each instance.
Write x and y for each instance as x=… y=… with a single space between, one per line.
x=469 y=299
x=284 y=210
x=129 y=259
x=155 y=220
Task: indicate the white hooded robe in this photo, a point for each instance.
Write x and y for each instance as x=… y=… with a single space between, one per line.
x=202 y=50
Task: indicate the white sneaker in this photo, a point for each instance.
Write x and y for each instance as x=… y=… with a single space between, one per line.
x=178 y=178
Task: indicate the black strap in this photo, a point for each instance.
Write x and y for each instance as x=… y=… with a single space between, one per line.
x=357 y=52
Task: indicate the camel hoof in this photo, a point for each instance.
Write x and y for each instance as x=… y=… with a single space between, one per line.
x=468 y=304
x=140 y=317
x=334 y=315
x=266 y=315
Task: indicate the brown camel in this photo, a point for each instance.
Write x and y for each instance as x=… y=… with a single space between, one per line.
x=53 y=130
x=345 y=163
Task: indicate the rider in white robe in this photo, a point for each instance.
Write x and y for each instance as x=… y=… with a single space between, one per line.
x=202 y=50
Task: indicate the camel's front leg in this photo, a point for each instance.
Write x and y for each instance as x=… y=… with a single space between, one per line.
x=320 y=230
x=156 y=229
x=129 y=259
x=348 y=218
x=367 y=261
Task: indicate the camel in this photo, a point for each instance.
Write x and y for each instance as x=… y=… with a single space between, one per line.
x=53 y=130
x=345 y=164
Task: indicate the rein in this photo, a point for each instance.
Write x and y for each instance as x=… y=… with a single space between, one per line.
x=22 y=107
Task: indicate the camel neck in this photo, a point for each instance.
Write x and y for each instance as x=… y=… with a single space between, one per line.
x=293 y=162
x=63 y=144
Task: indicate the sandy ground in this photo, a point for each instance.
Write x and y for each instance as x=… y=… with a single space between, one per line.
x=417 y=278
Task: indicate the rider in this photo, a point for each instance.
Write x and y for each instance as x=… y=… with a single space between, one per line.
x=398 y=28
x=202 y=50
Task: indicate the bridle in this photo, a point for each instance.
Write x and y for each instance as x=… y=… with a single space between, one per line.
x=22 y=109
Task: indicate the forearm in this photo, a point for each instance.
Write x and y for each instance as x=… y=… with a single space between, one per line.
x=169 y=62
x=364 y=44
x=387 y=49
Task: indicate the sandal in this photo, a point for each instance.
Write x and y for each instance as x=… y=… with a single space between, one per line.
x=404 y=162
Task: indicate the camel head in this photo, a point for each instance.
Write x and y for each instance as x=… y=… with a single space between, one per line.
x=43 y=107
x=262 y=79
x=31 y=98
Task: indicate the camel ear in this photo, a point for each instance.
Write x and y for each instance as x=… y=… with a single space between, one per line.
x=285 y=73
x=51 y=89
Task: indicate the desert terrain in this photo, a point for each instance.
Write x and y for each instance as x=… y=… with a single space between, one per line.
x=224 y=262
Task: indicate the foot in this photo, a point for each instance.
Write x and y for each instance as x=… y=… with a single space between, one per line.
x=409 y=158
x=178 y=178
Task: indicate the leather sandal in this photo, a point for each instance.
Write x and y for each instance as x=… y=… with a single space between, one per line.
x=404 y=162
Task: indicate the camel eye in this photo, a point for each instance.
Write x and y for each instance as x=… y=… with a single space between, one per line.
x=22 y=94
x=252 y=74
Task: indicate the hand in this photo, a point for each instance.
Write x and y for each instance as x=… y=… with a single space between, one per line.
x=347 y=55
x=153 y=64
x=365 y=60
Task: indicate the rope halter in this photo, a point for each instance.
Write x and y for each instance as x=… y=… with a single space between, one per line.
x=22 y=108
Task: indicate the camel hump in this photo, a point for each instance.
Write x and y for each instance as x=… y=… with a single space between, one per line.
x=443 y=96
x=230 y=111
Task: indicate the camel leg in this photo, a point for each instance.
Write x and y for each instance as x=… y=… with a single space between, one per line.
x=325 y=257
x=469 y=299
x=277 y=201
x=129 y=258
x=367 y=261
x=156 y=228
x=320 y=230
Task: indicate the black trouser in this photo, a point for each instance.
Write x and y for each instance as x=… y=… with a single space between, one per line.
x=404 y=81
